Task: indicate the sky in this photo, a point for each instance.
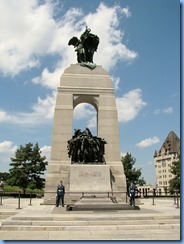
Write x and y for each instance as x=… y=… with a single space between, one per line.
x=139 y=47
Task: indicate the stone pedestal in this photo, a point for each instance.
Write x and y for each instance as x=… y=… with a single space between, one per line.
x=90 y=179
x=81 y=85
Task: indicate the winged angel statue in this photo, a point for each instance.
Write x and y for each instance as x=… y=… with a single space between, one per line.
x=85 y=47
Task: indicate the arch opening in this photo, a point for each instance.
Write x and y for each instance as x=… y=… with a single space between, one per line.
x=85 y=116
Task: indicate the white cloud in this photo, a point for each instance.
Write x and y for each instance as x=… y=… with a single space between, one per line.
x=42 y=111
x=168 y=110
x=87 y=115
x=26 y=32
x=148 y=142
x=45 y=107
x=83 y=111
x=33 y=32
x=45 y=151
x=111 y=48
x=7 y=150
x=7 y=147
x=92 y=123
x=157 y=111
x=129 y=105
x=116 y=81
x=126 y=11
x=3 y=116
x=123 y=154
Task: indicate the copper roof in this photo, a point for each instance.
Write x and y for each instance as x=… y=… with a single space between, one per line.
x=171 y=144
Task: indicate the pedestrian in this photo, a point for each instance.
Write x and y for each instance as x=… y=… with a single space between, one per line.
x=132 y=191
x=60 y=194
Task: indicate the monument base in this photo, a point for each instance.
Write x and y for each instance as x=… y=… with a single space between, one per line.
x=92 y=203
x=90 y=178
x=91 y=189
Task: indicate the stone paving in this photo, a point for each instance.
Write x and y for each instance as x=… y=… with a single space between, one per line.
x=157 y=222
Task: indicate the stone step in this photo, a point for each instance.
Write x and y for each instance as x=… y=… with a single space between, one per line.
x=104 y=235
x=94 y=199
x=90 y=228
x=4 y=215
x=98 y=203
x=7 y=213
x=94 y=217
x=88 y=222
x=98 y=207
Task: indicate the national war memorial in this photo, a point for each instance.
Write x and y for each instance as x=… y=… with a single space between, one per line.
x=85 y=163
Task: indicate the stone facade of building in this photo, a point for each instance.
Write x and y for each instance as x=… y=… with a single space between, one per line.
x=163 y=159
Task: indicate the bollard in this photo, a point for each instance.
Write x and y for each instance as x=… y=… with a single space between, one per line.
x=30 y=199
x=143 y=192
x=126 y=197
x=177 y=200
x=19 y=201
x=1 y=199
x=174 y=198
x=153 y=198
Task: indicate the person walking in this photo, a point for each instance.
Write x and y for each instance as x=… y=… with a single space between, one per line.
x=60 y=194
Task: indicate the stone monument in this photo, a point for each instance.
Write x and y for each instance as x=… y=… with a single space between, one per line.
x=83 y=84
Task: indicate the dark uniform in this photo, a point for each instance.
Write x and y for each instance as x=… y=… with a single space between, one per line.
x=132 y=191
x=60 y=194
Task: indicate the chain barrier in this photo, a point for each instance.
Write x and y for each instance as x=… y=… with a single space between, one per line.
x=176 y=196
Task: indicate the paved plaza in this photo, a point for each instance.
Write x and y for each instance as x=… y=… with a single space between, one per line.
x=160 y=221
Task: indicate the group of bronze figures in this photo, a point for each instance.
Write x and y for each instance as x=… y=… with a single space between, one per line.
x=86 y=46
x=85 y=148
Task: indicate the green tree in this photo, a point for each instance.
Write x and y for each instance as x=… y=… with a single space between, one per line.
x=174 y=183
x=132 y=174
x=27 y=166
x=4 y=176
x=141 y=181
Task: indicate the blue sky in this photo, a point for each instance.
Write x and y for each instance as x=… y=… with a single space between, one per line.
x=139 y=47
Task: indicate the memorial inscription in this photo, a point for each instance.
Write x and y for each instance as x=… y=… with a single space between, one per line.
x=90 y=174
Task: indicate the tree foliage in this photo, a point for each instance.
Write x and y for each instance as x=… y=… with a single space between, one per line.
x=27 y=166
x=132 y=174
x=174 y=183
x=4 y=176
